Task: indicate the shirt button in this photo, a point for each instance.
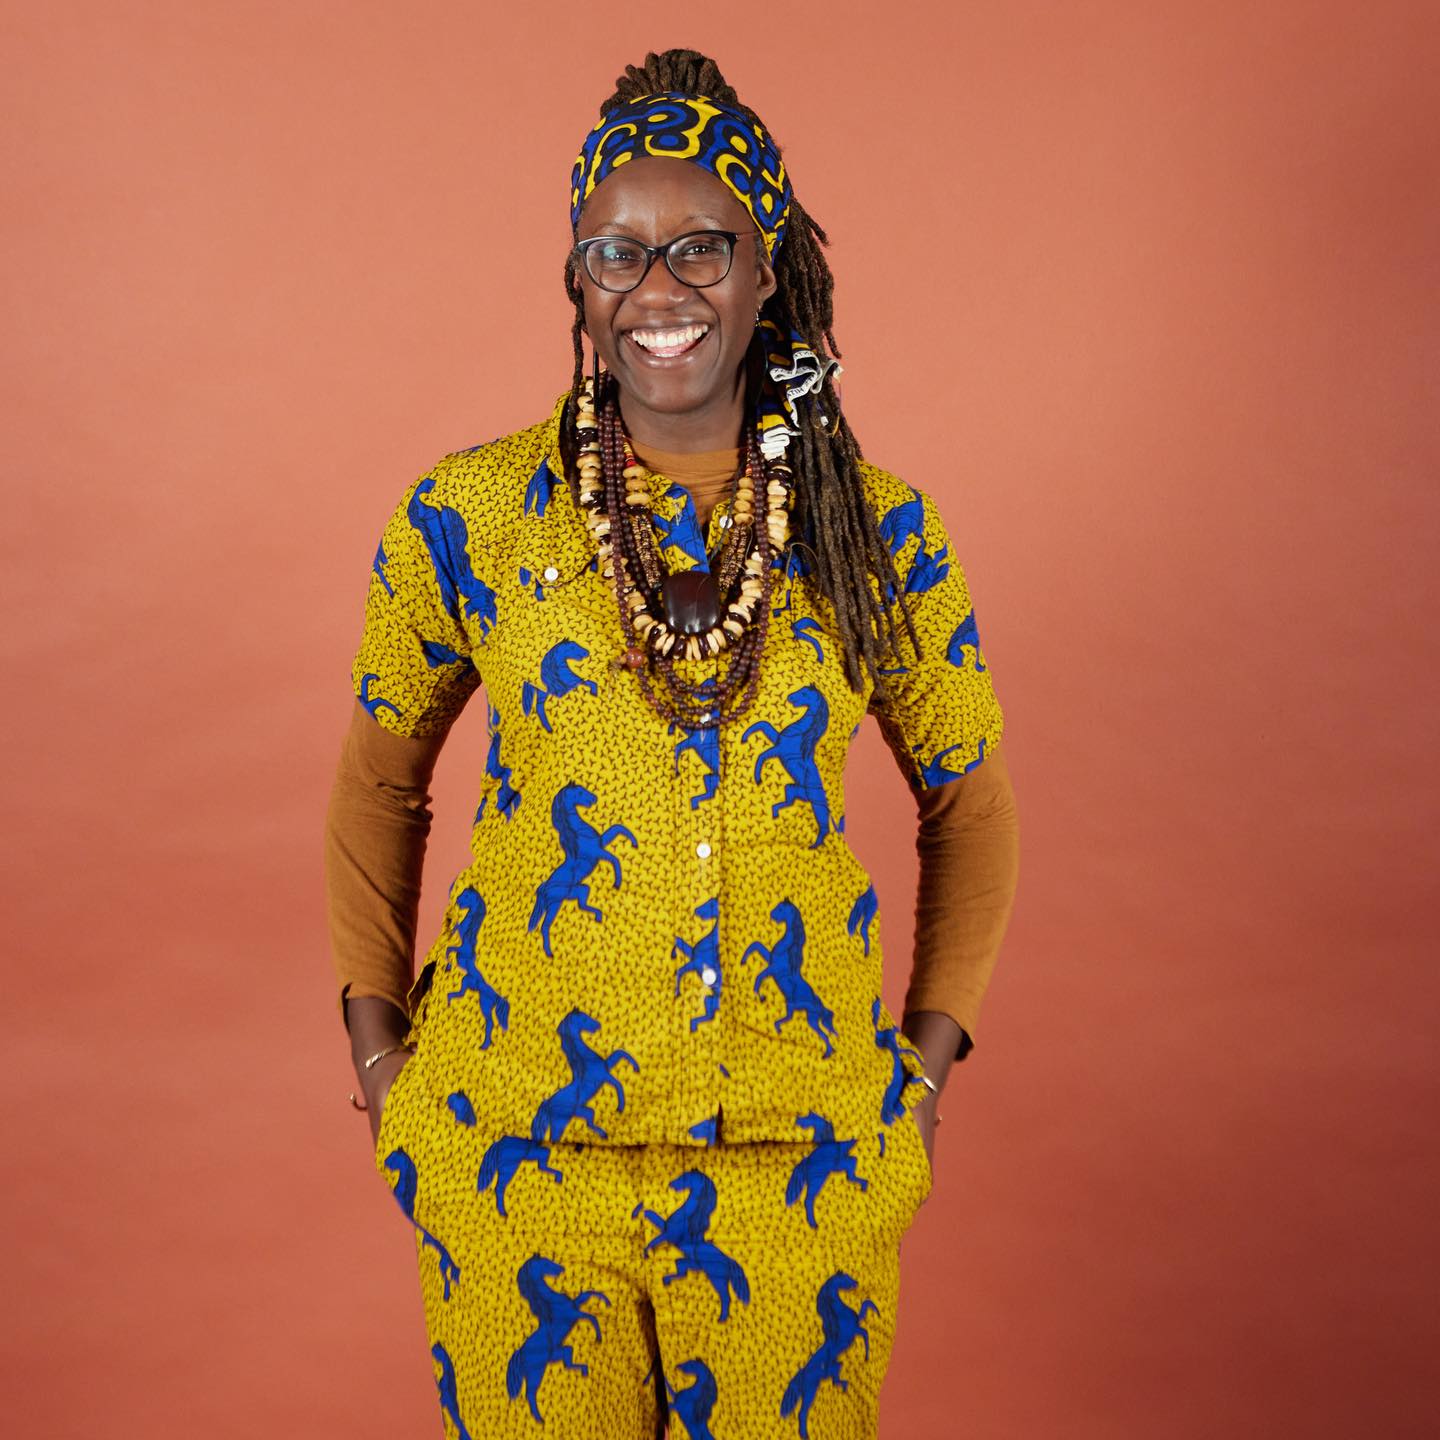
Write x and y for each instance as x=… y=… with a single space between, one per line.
x=709 y=975
x=702 y=849
x=551 y=573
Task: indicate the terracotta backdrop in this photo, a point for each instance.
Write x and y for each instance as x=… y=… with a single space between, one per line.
x=1145 y=293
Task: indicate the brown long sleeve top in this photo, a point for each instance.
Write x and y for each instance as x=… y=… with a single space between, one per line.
x=378 y=824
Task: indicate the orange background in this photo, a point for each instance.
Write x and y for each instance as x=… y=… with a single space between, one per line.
x=1144 y=293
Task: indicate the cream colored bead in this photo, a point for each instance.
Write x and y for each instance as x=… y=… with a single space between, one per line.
x=733 y=628
x=644 y=624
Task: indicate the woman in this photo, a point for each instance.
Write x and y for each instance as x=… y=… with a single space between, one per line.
x=655 y=1130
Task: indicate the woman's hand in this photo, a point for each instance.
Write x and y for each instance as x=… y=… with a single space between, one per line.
x=376 y=1025
x=937 y=1037
x=382 y=1076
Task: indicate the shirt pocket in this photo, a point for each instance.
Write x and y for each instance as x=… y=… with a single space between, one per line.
x=560 y=624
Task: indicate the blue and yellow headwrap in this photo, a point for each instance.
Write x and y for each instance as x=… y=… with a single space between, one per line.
x=740 y=152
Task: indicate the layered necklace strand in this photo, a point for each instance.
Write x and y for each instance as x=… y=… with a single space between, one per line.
x=691 y=614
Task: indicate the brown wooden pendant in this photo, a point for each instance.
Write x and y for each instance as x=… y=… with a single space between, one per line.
x=691 y=601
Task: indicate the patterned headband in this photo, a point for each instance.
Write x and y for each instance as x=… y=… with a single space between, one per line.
x=706 y=132
x=740 y=152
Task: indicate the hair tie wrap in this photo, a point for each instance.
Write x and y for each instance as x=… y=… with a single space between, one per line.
x=706 y=132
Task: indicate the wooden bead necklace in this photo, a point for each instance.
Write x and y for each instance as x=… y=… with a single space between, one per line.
x=690 y=614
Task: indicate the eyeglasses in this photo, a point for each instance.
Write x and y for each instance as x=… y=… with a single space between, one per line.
x=619 y=264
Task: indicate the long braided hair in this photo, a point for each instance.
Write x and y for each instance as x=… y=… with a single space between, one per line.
x=830 y=508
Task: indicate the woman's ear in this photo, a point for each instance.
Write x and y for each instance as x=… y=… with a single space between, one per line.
x=765 y=282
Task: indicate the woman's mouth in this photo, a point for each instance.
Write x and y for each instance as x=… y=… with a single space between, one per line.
x=668 y=344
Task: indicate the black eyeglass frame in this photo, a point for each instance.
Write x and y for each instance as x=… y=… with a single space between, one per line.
x=652 y=254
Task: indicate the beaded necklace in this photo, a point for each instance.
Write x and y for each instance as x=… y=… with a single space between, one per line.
x=690 y=614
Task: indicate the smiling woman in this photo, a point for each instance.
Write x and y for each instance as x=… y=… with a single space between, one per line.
x=675 y=343
x=653 y=1096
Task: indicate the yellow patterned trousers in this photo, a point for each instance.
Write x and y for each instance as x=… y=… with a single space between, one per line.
x=729 y=1292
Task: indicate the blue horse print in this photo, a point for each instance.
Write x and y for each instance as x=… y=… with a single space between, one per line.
x=539 y=490
x=794 y=748
x=556 y=1315
x=446 y=538
x=829 y=1157
x=405 y=1189
x=840 y=1326
x=793 y=564
x=378 y=566
x=703 y=953
x=556 y=679
x=932 y=772
x=583 y=847
x=373 y=703
x=682 y=534
x=685 y=1230
x=449 y=1388
x=862 y=914
x=903 y=521
x=808 y=630
x=437 y=655
x=707 y=1129
x=966 y=637
x=888 y=1038
x=458 y=1104
x=786 y=956
x=705 y=745
x=502 y=1161
x=692 y=1405
x=927 y=570
x=589 y=1073
x=493 y=1005
x=507 y=797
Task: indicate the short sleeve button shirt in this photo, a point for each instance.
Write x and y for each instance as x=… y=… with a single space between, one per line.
x=660 y=934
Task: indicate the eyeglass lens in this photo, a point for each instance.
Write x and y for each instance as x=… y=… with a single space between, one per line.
x=699 y=260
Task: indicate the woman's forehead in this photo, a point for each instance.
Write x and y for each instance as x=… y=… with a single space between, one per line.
x=656 y=193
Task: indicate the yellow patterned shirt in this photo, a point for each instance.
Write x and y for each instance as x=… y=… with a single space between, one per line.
x=661 y=935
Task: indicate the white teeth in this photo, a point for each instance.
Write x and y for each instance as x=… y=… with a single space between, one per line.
x=668 y=339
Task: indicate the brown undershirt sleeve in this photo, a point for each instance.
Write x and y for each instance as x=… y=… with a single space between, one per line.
x=968 y=842
x=376 y=829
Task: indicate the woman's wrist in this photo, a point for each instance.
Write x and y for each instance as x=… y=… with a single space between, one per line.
x=937 y=1037
x=378 y=1029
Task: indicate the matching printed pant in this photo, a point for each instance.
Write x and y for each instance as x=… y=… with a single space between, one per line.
x=731 y=1292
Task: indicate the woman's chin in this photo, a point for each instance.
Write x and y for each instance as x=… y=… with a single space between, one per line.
x=677 y=390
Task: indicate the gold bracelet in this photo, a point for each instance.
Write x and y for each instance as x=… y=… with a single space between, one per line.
x=378 y=1055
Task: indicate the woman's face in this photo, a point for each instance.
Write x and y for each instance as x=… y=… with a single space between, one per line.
x=656 y=200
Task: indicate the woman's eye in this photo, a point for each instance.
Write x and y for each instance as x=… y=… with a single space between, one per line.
x=618 y=254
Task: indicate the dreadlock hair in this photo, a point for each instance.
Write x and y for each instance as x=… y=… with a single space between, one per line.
x=830 y=507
